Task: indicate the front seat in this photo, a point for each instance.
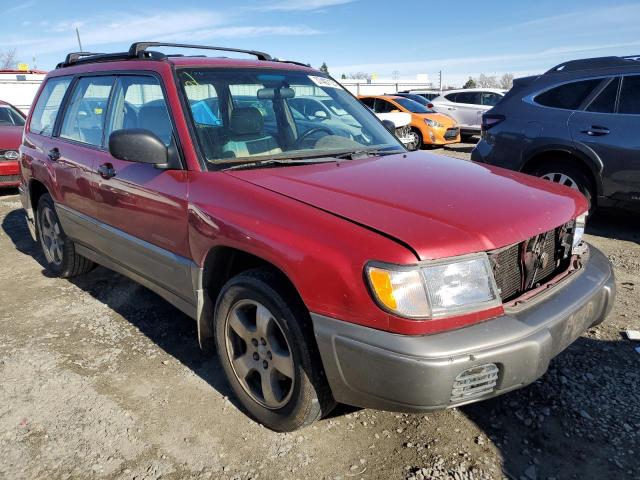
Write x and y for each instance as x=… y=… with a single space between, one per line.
x=155 y=117
x=246 y=136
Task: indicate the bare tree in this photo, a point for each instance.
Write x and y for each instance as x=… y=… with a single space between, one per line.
x=8 y=59
x=359 y=76
x=485 y=81
x=506 y=81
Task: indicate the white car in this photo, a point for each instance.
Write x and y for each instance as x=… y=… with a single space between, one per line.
x=467 y=105
x=402 y=121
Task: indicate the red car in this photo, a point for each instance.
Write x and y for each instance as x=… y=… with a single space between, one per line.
x=11 y=126
x=323 y=262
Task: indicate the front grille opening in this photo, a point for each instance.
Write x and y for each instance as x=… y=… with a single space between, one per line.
x=474 y=382
x=9 y=178
x=524 y=266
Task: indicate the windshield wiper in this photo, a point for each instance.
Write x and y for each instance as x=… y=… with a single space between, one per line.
x=366 y=153
x=280 y=161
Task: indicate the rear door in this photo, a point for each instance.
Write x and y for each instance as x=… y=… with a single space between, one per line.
x=468 y=109
x=609 y=126
x=142 y=210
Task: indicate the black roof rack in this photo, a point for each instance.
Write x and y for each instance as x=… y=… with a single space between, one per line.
x=139 y=50
x=139 y=47
x=592 y=63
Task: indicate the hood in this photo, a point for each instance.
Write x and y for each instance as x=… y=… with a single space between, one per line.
x=10 y=137
x=439 y=206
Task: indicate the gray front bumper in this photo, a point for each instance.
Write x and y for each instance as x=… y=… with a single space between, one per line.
x=375 y=369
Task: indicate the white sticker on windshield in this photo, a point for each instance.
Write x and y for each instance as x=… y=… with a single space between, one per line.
x=324 y=82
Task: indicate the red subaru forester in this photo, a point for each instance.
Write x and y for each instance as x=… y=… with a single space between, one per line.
x=322 y=261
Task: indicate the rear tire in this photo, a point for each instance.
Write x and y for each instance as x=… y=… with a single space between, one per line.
x=59 y=250
x=569 y=175
x=266 y=347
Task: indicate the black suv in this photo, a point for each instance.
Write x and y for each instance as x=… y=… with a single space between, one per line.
x=577 y=124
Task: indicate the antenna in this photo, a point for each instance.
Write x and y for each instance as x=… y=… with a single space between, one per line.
x=78 y=35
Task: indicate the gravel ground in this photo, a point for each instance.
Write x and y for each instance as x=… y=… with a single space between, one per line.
x=103 y=379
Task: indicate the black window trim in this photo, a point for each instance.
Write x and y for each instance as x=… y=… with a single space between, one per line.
x=531 y=98
x=114 y=73
x=620 y=94
x=596 y=93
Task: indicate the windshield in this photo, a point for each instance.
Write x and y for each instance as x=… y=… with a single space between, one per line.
x=10 y=116
x=412 y=106
x=249 y=115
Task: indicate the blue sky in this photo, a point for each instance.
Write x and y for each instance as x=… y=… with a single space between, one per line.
x=464 y=39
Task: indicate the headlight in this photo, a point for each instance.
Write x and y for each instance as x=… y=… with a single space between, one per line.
x=435 y=289
x=11 y=155
x=433 y=123
x=578 y=231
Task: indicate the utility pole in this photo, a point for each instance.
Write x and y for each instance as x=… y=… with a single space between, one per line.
x=440 y=80
x=78 y=35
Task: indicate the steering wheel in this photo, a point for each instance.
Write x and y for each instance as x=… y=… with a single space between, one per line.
x=310 y=132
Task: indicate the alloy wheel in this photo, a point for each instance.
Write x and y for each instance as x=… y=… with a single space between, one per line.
x=51 y=237
x=562 y=179
x=260 y=354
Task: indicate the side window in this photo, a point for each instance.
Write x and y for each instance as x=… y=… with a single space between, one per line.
x=368 y=102
x=85 y=114
x=472 y=98
x=46 y=109
x=568 y=96
x=451 y=97
x=490 y=98
x=138 y=102
x=605 y=102
x=382 y=106
x=630 y=95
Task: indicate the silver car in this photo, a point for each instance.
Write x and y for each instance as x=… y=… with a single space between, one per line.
x=466 y=106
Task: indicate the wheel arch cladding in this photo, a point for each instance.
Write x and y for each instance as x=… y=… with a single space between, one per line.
x=220 y=265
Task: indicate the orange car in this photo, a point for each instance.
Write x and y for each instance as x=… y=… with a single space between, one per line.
x=430 y=127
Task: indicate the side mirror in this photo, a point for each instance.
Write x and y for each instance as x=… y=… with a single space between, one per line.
x=389 y=125
x=320 y=114
x=138 y=145
x=395 y=111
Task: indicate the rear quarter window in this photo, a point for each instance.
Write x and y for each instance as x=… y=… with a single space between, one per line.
x=46 y=110
x=568 y=96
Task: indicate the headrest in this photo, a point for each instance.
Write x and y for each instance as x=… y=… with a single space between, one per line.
x=246 y=121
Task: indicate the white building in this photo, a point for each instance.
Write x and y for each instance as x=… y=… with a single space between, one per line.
x=19 y=87
x=380 y=86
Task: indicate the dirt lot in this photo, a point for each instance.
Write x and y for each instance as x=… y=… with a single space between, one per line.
x=100 y=378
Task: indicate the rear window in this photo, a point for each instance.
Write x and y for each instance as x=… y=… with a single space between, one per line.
x=568 y=96
x=46 y=110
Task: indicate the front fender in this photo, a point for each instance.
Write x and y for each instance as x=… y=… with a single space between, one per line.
x=322 y=255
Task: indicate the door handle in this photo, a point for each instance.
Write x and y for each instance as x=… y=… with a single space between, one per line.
x=451 y=108
x=596 y=131
x=54 y=154
x=107 y=171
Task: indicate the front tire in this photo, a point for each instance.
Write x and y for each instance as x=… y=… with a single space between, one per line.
x=266 y=347
x=417 y=139
x=59 y=250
